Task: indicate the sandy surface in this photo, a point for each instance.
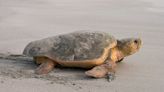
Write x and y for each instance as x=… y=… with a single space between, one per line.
x=22 y=21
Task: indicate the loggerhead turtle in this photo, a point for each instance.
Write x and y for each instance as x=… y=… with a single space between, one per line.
x=97 y=51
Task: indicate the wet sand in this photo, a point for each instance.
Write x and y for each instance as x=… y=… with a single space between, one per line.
x=22 y=21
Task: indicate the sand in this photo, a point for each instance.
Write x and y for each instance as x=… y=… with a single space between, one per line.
x=22 y=21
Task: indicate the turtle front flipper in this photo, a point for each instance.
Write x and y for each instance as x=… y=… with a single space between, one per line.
x=120 y=60
x=46 y=65
x=104 y=70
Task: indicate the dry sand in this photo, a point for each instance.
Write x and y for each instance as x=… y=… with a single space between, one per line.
x=22 y=21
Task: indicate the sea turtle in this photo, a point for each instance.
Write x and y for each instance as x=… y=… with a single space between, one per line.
x=97 y=51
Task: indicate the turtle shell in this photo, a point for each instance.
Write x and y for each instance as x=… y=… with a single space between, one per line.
x=76 y=46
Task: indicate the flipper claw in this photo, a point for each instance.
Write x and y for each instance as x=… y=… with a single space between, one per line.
x=111 y=76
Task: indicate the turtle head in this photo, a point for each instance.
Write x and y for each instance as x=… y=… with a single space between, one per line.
x=129 y=46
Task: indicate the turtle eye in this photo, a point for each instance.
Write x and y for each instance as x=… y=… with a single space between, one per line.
x=136 y=41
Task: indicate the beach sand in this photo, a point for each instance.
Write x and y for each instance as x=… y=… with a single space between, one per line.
x=22 y=21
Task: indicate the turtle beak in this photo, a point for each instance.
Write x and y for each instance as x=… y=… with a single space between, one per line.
x=138 y=42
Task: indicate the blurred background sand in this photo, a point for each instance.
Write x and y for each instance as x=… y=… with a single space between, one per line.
x=22 y=21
